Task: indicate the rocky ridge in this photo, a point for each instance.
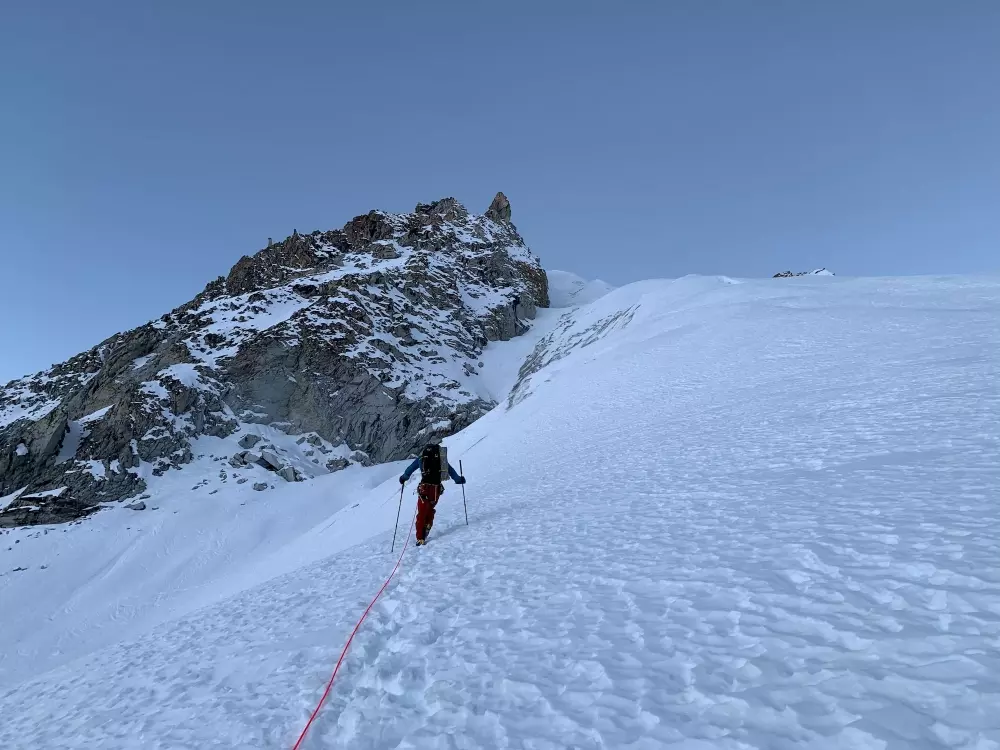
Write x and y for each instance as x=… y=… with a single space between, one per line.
x=790 y=274
x=354 y=345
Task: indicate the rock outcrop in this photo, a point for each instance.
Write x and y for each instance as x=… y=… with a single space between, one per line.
x=499 y=209
x=366 y=337
x=790 y=274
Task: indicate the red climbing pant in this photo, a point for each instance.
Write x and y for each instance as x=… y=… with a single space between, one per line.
x=427 y=499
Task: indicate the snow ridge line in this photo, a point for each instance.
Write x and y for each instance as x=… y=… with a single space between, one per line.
x=357 y=626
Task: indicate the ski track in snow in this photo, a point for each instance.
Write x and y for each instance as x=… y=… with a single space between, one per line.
x=757 y=516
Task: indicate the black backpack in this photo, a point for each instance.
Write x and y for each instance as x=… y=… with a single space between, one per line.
x=434 y=464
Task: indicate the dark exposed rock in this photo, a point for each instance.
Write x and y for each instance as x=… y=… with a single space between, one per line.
x=336 y=464
x=439 y=212
x=45 y=508
x=249 y=441
x=499 y=209
x=361 y=458
x=363 y=230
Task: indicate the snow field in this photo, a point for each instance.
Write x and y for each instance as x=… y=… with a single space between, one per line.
x=743 y=515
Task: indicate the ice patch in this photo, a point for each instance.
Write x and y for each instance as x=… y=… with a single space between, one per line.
x=77 y=432
x=95 y=416
x=57 y=492
x=71 y=441
x=8 y=499
x=188 y=375
x=95 y=468
x=154 y=388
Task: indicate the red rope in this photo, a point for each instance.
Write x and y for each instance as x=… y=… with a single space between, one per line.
x=347 y=645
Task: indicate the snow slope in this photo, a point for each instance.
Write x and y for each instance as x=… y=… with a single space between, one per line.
x=711 y=514
x=566 y=289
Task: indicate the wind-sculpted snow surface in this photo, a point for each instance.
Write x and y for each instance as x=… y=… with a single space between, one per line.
x=571 y=333
x=756 y=515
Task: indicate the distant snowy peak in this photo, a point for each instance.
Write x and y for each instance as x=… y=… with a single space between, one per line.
x=368 y=337
x=567 y=289
x=817 y=272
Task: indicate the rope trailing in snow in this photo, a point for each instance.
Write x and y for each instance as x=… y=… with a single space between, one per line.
x=343 y=653
x=357 y=626
x=466 y=451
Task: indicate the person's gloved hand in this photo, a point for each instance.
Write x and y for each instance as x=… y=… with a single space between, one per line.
x=402 y=480
x=460 y=480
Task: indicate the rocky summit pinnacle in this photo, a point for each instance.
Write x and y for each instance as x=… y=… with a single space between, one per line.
x=499 y=209
x=353 y=345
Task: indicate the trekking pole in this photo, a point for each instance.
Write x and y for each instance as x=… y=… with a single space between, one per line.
x=394 y=528
x=464 y=504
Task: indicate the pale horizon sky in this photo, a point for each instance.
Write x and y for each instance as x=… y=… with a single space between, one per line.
x=145 y=147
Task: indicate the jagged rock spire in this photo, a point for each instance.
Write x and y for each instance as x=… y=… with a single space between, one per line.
x=499 y=209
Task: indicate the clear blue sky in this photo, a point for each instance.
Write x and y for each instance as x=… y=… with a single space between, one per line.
x=144 y=147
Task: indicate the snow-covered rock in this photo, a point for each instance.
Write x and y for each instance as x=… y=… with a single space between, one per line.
x=270 y=461
x=367 y=337
x=816 y=272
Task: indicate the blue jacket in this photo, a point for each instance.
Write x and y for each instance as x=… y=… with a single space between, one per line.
x=416 y=465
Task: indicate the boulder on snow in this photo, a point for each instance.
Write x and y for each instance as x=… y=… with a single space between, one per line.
x=249 y=440
x=359 y=457
x=289 y=474
x=136 y=506
x=336 y=464
x=270 y=461
x=245 y=458
x=260 y=486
